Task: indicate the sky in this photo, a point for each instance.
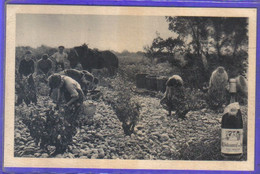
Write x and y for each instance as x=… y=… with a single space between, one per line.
x=105 y=32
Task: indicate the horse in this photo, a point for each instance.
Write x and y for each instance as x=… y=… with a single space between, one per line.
x=93 y=59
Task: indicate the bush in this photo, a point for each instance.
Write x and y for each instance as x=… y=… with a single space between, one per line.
x=41 y=85
x=127 y=112
x=126 y=109
x=216 y=99
x=51 y=128
x=130 y=66
x=51 y=125
x=195 y=98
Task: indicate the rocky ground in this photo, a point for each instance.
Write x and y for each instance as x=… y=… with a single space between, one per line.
x=156 y=135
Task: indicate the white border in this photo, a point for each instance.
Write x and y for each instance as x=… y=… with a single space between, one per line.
x=11 y=161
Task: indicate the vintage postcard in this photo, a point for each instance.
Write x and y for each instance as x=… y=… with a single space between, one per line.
x=130 y=87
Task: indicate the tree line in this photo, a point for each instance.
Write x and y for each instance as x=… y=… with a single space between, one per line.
x=205 y=43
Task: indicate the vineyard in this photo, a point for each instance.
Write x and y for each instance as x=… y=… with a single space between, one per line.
x=121 y=121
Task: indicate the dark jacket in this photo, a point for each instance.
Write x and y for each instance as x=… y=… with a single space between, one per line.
x=26 y=67
x=44 y=65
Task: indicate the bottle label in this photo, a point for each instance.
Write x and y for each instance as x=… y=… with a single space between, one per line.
x=232 y=141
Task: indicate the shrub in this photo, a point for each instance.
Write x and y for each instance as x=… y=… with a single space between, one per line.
x=51 y=125
x=195 y=99
x=127 y=112
x=126 y=109
x=130 y=66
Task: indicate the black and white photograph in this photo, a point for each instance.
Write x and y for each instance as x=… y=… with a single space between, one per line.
x=132 y=87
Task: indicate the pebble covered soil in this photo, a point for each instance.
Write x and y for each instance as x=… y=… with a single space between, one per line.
x=156 y=136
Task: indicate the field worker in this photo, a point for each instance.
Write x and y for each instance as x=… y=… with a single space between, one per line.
x=44 y=65
x=174 y=97
x=218 y=88
x=68 y=88
x=53 y=92
x=26 y=66
x=27 y=90
x=60 y=57
x=86 y=80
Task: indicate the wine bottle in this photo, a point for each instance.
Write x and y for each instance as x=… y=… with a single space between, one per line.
x=232 y=128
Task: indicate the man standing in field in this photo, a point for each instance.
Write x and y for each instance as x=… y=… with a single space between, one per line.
x=26 y=66
x=25 y=87
x=44 y=65
x=59 y=58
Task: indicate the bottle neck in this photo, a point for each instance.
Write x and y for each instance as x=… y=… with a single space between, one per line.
x=232 y=97
x=232 y=90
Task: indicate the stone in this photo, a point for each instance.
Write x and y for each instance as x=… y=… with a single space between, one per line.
x=29 y=138
x=75 y=151
x=153 y=137
x=70 y=155
x=102 y=146
x=156 y=134
x=89 y=153
x=59 y=156
x=45 y=155
x=30 y=144
x=95 y=151
x=139 y=127
x=139 y=133
x=21 y=147
x=141 y=138
x=204 y=110
x=83 y=152
x=17 y=135
x=164 y=137
x=23 y=139
x=97 y=117
x=114 y=157
x=29 y=150
x=94 y=156
x=99 y=135
x=101 y=153
x=112 y=149
x=37 y=154
x=163 y=157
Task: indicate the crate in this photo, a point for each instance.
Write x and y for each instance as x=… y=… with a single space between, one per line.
x=140 y=80
x=161 y=83
x=151 y=82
